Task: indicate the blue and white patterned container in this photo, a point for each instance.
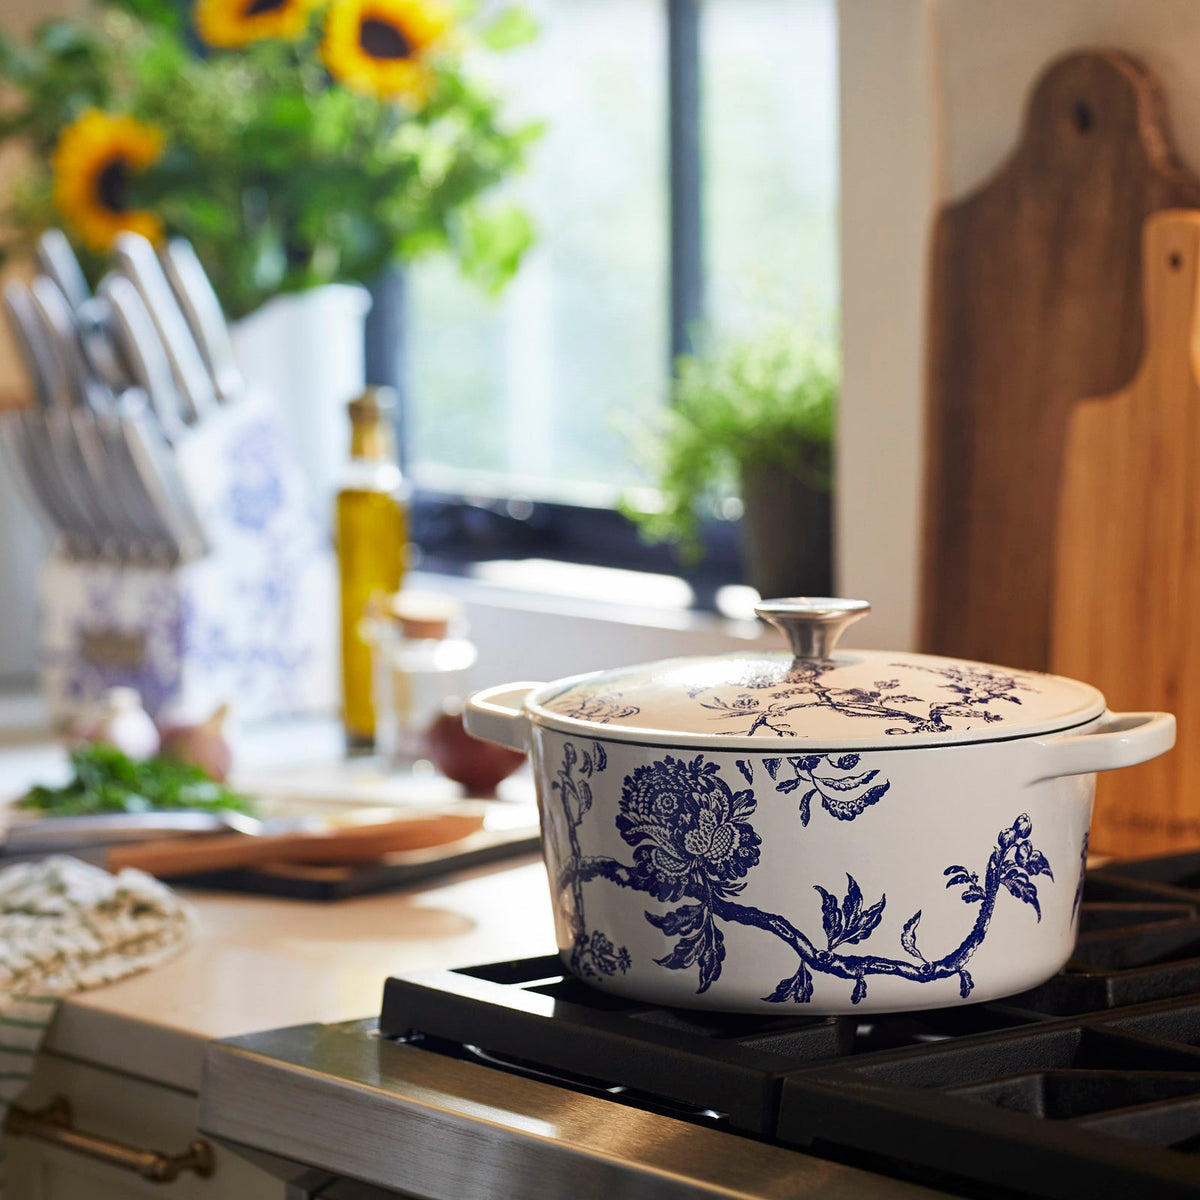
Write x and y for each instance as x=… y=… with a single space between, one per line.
x=849 y=832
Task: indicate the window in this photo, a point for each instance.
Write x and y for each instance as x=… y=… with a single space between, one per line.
x=686 y=179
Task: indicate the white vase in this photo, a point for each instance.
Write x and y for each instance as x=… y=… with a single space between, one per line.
x=305 y=351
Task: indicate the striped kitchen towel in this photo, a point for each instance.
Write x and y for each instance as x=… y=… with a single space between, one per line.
x=66 y=927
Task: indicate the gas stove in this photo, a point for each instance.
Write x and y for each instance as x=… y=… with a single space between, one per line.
x=514 y=1080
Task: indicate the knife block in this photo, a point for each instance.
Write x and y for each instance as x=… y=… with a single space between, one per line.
x=252 y=621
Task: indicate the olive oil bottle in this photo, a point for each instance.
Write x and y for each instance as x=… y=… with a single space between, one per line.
x=372 y=536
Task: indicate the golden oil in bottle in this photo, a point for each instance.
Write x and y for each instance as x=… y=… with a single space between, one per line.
x=372 y=537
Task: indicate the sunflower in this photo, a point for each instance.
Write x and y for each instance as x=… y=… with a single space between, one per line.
x=228 y=24
x=93 y=162
x=377 y=46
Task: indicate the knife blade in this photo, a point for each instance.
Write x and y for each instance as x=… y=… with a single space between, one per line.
x=202 y=310
x=137 y=260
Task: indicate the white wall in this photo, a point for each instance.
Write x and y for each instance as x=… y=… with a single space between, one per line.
x=932 y=98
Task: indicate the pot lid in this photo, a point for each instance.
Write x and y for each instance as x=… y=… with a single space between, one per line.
x=859 y=698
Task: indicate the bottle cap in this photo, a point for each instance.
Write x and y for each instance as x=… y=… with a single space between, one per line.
x=372 y=406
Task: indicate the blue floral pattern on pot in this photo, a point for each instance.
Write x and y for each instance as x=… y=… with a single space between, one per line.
x=593 y=953
x=693 y=840
x=844 y=792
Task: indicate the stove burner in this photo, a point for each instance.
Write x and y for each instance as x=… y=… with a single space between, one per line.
x=1088 y=1085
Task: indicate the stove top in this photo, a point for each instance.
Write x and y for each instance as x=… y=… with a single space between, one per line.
x=1086 y=1086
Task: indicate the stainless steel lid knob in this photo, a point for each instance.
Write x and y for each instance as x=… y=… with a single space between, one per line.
x=812 y=624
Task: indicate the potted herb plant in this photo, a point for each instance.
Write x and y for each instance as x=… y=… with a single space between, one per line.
x=751 y=422
x=300 y=145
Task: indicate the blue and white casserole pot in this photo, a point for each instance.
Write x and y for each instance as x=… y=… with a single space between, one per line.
x=852 y=832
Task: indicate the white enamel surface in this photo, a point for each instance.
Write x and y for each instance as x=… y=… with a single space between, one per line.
x=940 y=810
x=860 y=699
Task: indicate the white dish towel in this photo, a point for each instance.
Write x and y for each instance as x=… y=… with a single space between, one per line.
x=66 y=927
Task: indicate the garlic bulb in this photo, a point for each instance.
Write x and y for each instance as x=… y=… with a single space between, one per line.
x=121 y=722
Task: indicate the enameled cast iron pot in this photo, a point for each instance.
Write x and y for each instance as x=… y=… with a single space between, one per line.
x=860 y=831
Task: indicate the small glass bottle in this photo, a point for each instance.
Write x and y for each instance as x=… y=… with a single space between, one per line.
x=372 y=535
x=422 y=661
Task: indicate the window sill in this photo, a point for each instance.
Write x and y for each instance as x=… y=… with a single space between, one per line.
x=537 y=619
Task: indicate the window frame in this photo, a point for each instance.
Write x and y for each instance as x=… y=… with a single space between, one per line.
x=452 y=531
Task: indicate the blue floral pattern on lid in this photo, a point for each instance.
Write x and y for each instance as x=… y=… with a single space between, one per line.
x=868 y=697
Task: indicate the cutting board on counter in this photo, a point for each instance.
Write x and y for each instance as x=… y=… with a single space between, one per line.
x=1035 y=302
x=1127 y=592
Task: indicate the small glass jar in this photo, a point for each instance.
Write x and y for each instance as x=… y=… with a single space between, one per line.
x=421 y=661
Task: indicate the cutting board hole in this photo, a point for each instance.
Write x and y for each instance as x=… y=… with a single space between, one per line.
x=1083 y=117
x=1175 y=260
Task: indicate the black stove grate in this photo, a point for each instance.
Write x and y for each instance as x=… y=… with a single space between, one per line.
x=1086 y=1086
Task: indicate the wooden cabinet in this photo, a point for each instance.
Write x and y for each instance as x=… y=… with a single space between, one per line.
x=127 y=1110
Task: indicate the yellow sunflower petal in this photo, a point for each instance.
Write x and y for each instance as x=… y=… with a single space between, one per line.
x=229 y=24
x=92 y=163
x=379 y=46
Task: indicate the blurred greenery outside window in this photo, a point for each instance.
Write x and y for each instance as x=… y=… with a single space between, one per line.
x=518 y=412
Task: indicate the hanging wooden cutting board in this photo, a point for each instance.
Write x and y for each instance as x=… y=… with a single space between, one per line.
x=1127 y=594
x=1035 y=302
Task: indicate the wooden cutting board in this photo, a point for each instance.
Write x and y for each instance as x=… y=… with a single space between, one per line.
x=1035 y=303
x=1127 y=594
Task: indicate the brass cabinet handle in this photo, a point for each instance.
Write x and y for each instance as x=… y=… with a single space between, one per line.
x=52 y=1125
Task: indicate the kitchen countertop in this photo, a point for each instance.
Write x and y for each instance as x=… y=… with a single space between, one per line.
x=260 y=963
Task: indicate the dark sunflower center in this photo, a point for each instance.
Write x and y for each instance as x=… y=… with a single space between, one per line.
x=112 y=185
x=257 y=7
x=380 y=39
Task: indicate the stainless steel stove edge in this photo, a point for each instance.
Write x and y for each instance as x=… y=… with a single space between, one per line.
x=343 y=1100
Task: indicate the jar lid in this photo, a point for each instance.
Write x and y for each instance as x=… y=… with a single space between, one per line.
x=862 y=699
x=425 y=615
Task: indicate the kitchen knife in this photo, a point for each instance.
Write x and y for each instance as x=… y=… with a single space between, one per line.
x=155 y=467
x=203 y=312
x=48 y=441
x=137 y=260
x=135 y=478
x=93 y=323
x=139 y=341
x=28 y=836
x=56 y=259
x=26 y=463
x=101 y=473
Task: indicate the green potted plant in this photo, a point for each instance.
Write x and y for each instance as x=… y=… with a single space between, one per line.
x=751 y=422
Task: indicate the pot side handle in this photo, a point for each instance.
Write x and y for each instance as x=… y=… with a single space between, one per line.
x=1117 y=740
x=497 y=714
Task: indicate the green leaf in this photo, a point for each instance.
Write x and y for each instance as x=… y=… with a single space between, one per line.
x=492 y=243
x=107 y=780
x=509 y=28
x=771 y=399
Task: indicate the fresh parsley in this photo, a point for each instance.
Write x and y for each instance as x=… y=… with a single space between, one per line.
x=109 y=781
